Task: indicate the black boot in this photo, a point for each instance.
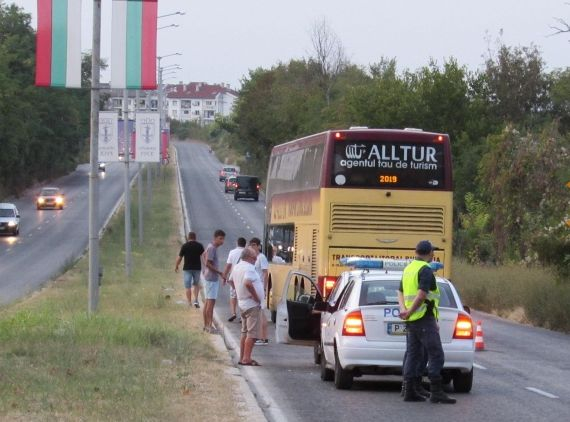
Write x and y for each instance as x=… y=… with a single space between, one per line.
x=410 y=393
x=437 y=394
x=420 y=388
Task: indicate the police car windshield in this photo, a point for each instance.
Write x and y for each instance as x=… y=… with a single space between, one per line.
x=7 y=212
x=446 y=298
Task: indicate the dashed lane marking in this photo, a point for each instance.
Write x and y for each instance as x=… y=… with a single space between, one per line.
x=476 y=365
x=541 y=392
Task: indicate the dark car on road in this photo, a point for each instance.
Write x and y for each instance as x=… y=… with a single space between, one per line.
x=247 y=187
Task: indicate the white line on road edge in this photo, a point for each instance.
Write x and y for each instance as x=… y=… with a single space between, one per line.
x=542 y=393
x=476 y=365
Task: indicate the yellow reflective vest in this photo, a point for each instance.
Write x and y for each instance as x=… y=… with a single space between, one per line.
x=411 y=285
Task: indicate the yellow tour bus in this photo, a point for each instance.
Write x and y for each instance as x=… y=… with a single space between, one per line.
x=357 y=192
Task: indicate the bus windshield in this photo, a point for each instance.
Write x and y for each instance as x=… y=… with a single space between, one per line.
x=388 y=164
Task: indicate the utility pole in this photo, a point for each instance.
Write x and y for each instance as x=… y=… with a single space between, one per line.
x=127 y=193
x=93 y=295
x=139 y=182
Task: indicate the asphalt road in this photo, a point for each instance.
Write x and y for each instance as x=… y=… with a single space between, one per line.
x=523 y=375
x=51 y=239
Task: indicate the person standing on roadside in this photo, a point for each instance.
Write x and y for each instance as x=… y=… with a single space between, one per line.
x=233 y=259
x=262 y=268
x=211 y=275
x=249 y=291
x=421 y=313
x=191 y=252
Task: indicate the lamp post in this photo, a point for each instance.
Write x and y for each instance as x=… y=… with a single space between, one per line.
x=172 y=14
x=172 y=25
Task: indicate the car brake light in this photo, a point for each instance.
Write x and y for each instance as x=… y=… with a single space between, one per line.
x=353 y=324
x=463 y=327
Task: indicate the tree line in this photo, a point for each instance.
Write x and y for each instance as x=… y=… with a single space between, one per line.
x=43 y=131
x=509 y=123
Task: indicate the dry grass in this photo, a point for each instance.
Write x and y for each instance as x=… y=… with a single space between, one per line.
x=528 y=295
x=143 y=356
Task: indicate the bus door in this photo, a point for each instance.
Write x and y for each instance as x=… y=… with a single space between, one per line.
x=296 y=322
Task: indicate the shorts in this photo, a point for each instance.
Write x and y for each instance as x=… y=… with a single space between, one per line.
x=191 y=278
x=211 y=289
x=250 y=321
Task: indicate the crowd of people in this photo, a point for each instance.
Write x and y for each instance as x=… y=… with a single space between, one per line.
x=246 y=275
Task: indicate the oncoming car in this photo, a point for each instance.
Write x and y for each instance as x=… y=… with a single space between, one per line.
x=359 y=332
x=9 y=219
x=50 y=197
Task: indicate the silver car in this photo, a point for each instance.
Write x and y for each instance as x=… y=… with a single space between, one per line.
x=9 y=219
x=359 y=332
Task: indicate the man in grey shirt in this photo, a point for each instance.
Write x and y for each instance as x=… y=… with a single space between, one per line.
x=211 y=283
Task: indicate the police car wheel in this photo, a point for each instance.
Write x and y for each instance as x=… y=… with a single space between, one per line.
x=326 y=373
x=462 y=383
x=342 y=378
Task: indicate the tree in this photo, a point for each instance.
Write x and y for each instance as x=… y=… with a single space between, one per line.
x=328 y=54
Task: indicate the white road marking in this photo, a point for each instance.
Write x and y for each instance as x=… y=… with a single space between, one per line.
x=476 y=365
x=542 y=393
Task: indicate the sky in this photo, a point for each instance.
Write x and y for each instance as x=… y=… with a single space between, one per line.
x=222 y=40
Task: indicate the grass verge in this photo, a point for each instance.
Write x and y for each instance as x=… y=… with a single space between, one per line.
x=141 y=357
x=527 y=295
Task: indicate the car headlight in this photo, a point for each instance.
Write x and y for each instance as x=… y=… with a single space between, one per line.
x=41 y=200
x=59 y=200
x=11 y=223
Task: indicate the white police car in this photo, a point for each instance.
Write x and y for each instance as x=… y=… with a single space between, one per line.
x=358 y=328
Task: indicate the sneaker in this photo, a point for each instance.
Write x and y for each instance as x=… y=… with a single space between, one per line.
x=196 y=305
x=266 y=341
x=260 y=342
x=230 y=319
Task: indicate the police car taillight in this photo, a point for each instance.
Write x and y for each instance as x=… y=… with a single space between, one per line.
x=463 y=328
x=353 y=324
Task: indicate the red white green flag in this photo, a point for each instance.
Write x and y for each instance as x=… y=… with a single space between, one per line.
x=58 y=43
x=133 y=53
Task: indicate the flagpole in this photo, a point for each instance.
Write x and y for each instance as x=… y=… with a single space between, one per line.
x=127 y=193
x=93 y=295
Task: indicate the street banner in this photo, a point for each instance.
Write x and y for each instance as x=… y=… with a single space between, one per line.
x=133 y=37
x=58 y=44
x=108 y=136
x=148 y=137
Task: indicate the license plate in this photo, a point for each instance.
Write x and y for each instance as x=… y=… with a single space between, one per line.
x=396 y=328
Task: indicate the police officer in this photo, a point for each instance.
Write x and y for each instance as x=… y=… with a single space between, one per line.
x=420 y=310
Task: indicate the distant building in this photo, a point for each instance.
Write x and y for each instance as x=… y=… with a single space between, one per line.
x=199 y=102
x=193 y=102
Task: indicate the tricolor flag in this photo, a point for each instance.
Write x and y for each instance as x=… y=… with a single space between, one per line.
x=133 y=37
x=58 y=43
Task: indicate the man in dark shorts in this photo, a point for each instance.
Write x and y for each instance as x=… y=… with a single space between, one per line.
x=191 y=252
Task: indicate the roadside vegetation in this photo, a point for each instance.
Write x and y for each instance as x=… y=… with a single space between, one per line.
x=142 y=356
x=529 y=295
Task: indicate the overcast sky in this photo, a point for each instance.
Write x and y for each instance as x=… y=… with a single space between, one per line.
x=221 y=40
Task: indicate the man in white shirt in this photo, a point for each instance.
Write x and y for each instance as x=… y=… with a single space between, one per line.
x=249 y=291
x=233 y=259
x=262 y=268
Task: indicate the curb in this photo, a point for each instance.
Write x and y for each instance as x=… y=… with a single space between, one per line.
x=265 y=403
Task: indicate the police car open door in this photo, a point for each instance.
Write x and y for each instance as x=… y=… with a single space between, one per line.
x=296 y=322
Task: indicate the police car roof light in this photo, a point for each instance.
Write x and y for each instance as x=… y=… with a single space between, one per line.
x=383 y=264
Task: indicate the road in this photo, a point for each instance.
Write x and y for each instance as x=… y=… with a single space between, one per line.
x=29 y=260
x=521 y=376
